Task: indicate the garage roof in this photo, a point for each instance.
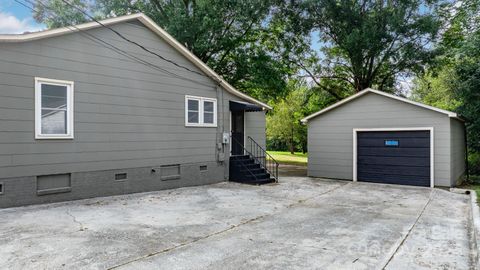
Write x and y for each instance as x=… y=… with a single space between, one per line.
x=145 y=20
x=369 y=90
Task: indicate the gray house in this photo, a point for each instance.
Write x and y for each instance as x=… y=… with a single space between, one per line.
x=377 y=137
x=85 y=113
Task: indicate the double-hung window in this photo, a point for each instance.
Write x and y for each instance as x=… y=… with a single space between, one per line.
x=53 y=109
x=200 y=111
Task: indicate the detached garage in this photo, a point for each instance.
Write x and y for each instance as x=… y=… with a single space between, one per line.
x=377 y=137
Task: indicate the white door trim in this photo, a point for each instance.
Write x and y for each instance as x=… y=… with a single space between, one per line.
x=244 y=132
x=432 y=158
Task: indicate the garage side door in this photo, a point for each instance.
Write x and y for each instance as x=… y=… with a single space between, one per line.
x=394 y=157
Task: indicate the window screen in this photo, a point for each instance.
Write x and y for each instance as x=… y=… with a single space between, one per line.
x=208 y=112
x=193 y=111
x=54 y=109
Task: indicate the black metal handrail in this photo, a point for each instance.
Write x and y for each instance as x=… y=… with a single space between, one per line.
x=260 y=154
x=263 y=162
x=249 y=154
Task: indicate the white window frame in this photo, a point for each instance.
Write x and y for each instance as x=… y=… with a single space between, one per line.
x=38 y=108
x=201 y=111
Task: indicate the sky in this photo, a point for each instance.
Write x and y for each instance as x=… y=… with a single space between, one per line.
x=16 y=19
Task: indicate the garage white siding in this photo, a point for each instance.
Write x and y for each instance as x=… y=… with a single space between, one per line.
x=330 y=135
x=458 y=150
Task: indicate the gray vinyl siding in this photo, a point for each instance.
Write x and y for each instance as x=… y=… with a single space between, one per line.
x=330 y=136
x=457 y=151
x=255 y=127
x=127 y=115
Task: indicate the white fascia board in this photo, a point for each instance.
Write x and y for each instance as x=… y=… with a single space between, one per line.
x=152 y=26
x=195 y=60
x=331 y=107
x=369 y=90
x=64 y=30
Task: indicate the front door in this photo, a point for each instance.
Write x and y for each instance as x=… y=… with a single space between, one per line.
x=238 y=133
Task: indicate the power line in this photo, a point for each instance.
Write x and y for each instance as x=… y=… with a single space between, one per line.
x=129 y=40
x=112 y=47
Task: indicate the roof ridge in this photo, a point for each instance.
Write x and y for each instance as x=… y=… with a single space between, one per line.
x=150 y=24
x=370 y=90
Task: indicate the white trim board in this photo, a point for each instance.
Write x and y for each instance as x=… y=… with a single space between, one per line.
x=369 y=90
x=201 y=111
x=244 y=131
x=150 y=24
x=432 y=152
x=38 y=108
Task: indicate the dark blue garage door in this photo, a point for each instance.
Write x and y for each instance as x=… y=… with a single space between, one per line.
x=394 y=157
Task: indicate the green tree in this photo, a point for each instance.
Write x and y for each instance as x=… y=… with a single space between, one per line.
x=55 y=13
x=434 y=88
x=453 y=80
x=369 y=43
x=283 y=123
x=240 y=39
x=466 y=88
x=460 y=19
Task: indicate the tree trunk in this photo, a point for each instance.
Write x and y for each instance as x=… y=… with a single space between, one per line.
x=304 y=147
x=292 y=148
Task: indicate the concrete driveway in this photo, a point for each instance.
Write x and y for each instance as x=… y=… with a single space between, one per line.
x=300 y=223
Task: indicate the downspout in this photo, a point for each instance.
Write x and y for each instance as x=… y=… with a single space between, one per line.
x=220 y=145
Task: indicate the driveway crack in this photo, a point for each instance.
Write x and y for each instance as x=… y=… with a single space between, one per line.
x=82 y=228
x=430 y=197
x=232 y=227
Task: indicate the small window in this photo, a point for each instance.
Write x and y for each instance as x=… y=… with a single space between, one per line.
x=203 y=168
x=200 y=111
x=1 y=188
x=120 y=176
x=53 y=109
x=391 y=143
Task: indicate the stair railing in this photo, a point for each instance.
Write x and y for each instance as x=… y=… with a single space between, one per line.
x=265 y=159
x=249 y=154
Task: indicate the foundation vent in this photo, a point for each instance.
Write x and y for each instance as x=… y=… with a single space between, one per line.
x=120 y=176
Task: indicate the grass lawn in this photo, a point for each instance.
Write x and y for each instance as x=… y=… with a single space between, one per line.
x=287 y=158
